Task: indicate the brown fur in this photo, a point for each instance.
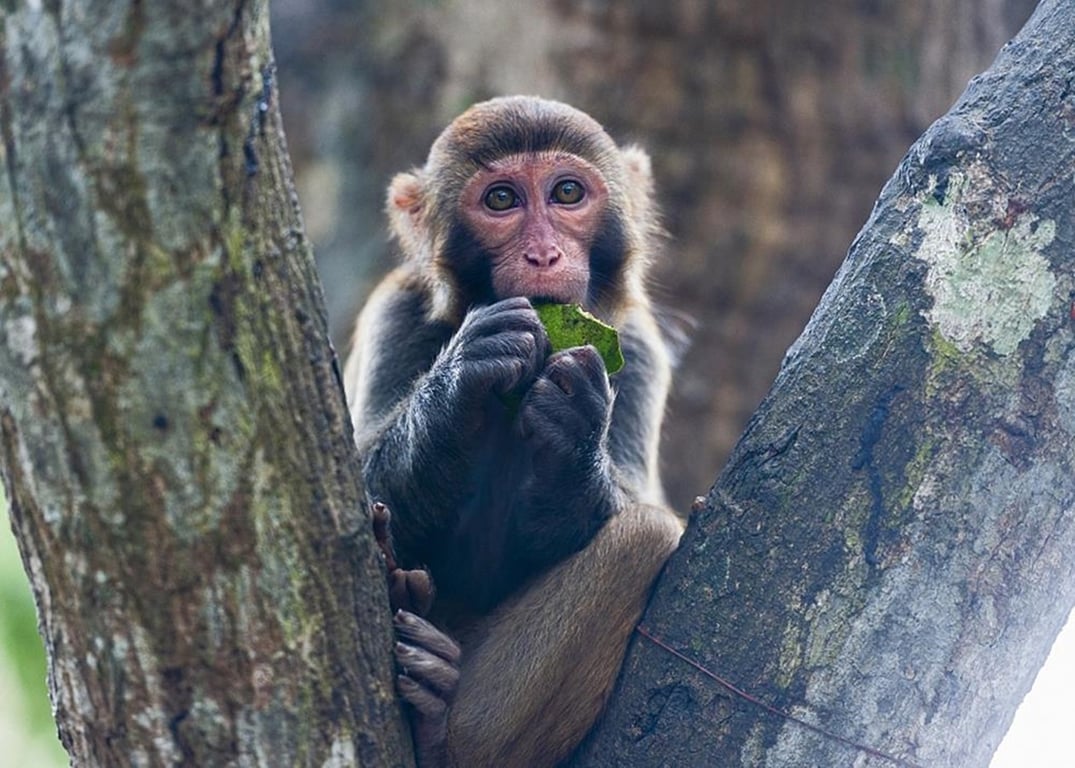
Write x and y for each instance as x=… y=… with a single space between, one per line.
x=543 y=665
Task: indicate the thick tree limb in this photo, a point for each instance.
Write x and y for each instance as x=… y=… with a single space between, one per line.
x=891 y=549
x=175 y=445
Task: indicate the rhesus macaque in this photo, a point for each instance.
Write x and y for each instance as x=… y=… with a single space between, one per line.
x=526 y=482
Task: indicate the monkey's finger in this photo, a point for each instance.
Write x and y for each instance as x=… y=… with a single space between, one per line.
x=428 y=669
x=577 y=367
x=511 y=343
x=511 y=306
x=512 y=302
x=547 y=413
x=515 y=312
x=380 y=514
x=411 y=591
x=399 y=597
x=593 y=365
x=382 y=533
x=381 y=517
x=427 y=703
x=420 y=591
x=506 y=373
x=520 y=317
x=417 y=631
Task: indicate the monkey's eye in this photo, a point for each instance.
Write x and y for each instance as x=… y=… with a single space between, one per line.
x=568 y=192
x=501 y=198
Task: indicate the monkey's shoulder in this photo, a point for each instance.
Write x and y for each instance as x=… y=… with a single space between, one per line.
x=394 y=341
x=398 y=314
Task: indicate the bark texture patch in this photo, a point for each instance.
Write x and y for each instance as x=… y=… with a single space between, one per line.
x=990 y=283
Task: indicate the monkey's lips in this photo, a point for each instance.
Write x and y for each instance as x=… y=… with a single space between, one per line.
x=558 y=289
x=562 y=283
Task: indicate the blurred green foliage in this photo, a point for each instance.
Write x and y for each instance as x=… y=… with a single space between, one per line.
x=27 y=732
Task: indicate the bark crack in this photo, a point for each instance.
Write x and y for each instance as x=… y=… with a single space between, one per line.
x=864 y=459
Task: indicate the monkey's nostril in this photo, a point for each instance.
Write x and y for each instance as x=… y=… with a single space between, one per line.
x=543 y=259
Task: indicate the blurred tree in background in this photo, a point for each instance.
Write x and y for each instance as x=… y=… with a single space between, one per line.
x=772 y=126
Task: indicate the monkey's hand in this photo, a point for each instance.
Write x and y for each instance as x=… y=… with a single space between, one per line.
x=498 y=350
x=564 y=420
x=428 y=662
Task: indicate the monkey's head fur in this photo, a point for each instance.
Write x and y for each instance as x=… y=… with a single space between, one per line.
x=424 y=204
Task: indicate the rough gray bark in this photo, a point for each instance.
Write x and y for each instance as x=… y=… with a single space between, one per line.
x=891 y=549
x=175 y=445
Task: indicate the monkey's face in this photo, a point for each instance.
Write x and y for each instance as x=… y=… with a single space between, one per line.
x=536 y=215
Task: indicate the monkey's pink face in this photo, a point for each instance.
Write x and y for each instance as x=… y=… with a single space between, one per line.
x=537 y=215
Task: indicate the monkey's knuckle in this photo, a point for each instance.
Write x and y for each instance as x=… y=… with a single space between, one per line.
x=568 y=364
x=546 y=392
x=512 y=303
x=589 y=360
x=526 y=343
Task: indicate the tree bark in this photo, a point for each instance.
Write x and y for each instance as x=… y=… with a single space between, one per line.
x=891 y=549
x=175 y=445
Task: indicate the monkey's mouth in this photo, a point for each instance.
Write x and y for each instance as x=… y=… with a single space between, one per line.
x=559 y=286
x=563 y=289
x=563 y=297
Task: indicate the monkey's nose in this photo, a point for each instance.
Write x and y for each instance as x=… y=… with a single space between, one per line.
x=543 y=257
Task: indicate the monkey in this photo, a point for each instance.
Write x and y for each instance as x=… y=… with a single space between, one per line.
x=526 y=481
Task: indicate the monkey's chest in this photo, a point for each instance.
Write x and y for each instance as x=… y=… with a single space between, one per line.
x=480 y=564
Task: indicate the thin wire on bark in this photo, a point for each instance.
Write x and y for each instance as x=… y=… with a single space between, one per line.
x=770 y=708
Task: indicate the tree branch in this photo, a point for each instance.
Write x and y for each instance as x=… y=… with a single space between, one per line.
x=891 y=548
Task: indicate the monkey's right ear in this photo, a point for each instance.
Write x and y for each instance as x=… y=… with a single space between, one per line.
x=407 y=211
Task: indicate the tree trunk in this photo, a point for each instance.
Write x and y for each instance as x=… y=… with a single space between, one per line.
x=175 y=445
x=891 y=549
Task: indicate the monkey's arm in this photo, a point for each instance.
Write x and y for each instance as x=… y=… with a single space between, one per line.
x=419 y=393
x=536 y=673
x=641 y=391
x=393 y=347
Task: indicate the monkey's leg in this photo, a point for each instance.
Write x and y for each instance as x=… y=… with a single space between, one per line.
x=429 y=673
x=542 y=666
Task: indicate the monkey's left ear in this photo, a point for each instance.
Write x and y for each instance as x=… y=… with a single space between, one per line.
x=406 y=207
x=639 y=178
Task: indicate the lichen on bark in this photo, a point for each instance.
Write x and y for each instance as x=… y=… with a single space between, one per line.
x=987 y=276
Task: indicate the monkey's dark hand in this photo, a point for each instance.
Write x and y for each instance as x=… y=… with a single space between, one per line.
x=564 y=420
x=564 y=416
x=498 y=350
x=423 y=461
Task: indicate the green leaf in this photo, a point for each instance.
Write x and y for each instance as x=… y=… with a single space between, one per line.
x=569 y=325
